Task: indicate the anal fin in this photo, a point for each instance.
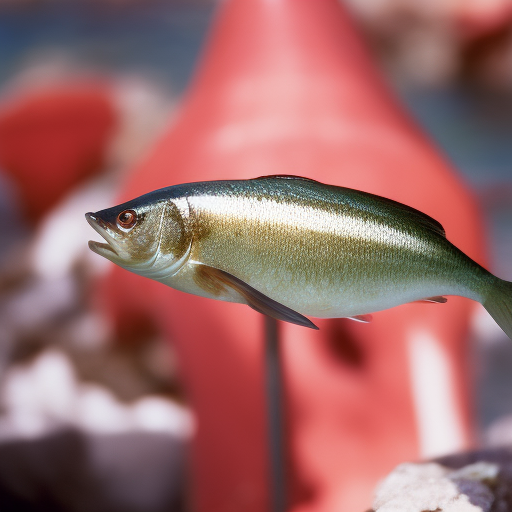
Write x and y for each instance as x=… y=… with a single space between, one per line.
x=215 y=280
x=365 y=319
x=435 y=300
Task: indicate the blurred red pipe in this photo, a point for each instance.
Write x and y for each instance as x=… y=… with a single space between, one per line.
x=286 y=86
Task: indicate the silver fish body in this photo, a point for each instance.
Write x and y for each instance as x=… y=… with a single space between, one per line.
x=314 y=249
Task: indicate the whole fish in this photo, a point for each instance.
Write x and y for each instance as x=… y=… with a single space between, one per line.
x=290 y=246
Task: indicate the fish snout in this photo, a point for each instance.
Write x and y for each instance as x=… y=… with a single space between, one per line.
x=107 y=250
x=94 y=221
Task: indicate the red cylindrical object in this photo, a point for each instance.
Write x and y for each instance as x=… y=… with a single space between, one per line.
x=287 y=87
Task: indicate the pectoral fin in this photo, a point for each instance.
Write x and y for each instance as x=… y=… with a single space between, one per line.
x=215 y=281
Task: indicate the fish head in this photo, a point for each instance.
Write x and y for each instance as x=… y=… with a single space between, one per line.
x=148 y=237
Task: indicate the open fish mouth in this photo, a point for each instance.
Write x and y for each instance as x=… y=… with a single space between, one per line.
x=106 y=250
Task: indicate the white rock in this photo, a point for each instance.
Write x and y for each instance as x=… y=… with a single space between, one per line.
x=160 y=415
x=428 y=487
x=98 y=411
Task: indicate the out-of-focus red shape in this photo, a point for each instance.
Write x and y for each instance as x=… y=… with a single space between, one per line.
x=286 y=87
x=481 y=19
x=52 y=139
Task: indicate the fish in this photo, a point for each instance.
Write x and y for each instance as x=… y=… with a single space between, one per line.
x=292 y=247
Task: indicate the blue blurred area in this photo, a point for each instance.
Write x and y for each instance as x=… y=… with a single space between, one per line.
x=473 y=128
x=161 y=38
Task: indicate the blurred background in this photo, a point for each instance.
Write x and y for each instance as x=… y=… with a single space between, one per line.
x=86 y=88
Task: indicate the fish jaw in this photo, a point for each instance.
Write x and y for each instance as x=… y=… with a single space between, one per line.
x=110 y=250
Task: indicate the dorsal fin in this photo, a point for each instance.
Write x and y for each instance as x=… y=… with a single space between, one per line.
x=285 y=177
x=426 y=220
x=417 y=215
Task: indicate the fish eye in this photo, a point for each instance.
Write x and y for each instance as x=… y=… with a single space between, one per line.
x=127 y=219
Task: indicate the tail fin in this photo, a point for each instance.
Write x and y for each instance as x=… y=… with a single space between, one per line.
x=499 y=305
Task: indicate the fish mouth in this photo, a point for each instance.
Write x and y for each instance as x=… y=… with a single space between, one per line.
x=106 y=250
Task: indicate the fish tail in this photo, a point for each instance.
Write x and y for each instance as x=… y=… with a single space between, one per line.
x=499 y=304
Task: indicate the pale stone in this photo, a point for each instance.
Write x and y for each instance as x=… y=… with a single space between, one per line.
x=432 y=487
